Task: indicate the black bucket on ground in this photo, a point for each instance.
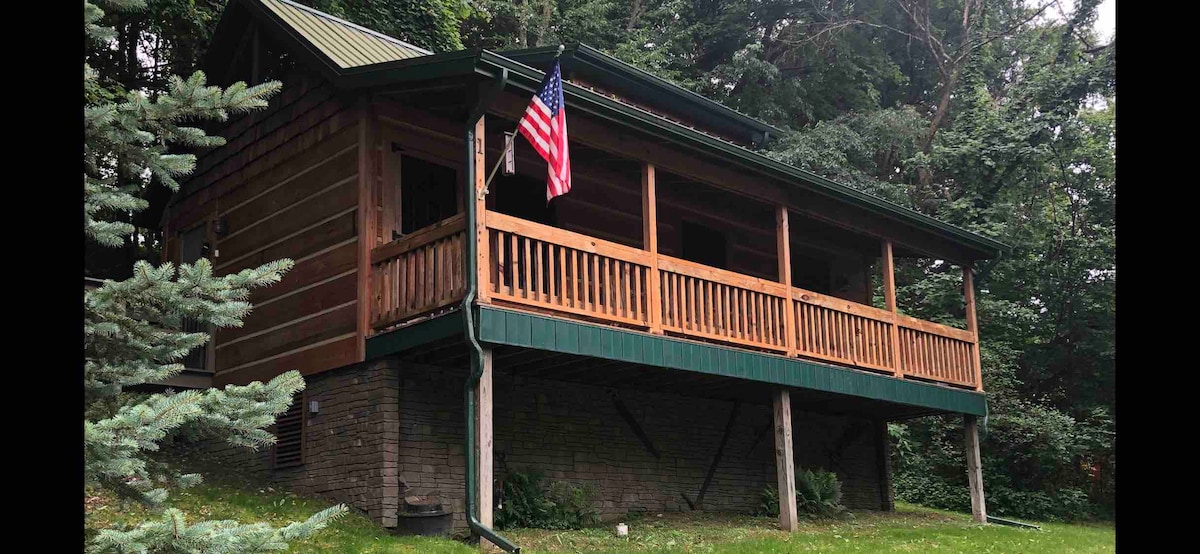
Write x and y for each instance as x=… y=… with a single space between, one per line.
x=423 y=515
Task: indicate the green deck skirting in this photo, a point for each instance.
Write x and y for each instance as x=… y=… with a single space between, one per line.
x=415 y=335
x=499 y=326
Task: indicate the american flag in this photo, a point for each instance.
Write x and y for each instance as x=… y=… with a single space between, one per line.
x=545 y=127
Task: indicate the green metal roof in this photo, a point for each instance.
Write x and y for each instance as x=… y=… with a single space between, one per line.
x=345 y=44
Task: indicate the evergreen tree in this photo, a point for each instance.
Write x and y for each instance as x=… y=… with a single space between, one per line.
x=132 y=328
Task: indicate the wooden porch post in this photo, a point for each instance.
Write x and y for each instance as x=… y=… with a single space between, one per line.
x=784 y=462
x=483 y=442
x=650 y=244
x=972 y=323
x=784 y=244
x=974 y=468
x=483 y=268
x=889 y=297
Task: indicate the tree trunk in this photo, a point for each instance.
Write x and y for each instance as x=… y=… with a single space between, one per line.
x=943 y=105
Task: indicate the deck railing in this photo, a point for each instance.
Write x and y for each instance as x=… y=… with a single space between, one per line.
x=546 y=269
x=837 y=330
x=419 y=273
x=710 y=303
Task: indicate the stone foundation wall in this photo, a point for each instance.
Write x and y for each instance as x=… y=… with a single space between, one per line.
x=350 y=446
x=575 y=433
x=384 y=428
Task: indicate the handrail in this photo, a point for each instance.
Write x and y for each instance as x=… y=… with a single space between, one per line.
x=425 y=235
x=851 y=307
x=579 y=241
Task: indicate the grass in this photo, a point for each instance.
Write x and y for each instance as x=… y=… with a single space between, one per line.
x=909 y=529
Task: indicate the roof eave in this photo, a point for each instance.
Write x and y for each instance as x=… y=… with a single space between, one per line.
x=599 y=61
x=984 y=246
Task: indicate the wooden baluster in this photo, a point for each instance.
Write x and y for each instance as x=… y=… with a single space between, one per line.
x=618 y=288
x=677 y=279
x=514 y=266
x=723 y=309
x=442 y=283
x=626 y=287
x=697 y=307
x=539 y=273
x=575 y=281
x=422 y=267
x=527 y=285
x=801 y=318
x=607 y=285
x=689 y=319
x=594 y=275
x=638 y=305
x=430 y=275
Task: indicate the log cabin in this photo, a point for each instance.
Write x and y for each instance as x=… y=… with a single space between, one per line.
x=692 y=322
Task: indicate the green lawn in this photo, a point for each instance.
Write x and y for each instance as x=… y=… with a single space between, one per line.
x=909 y=529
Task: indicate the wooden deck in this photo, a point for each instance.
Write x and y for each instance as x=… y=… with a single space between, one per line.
x=543 y=269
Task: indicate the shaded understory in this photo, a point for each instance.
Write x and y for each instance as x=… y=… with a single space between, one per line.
x=909 y=529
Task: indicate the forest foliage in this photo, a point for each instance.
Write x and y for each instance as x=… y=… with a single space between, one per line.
x=994 y=115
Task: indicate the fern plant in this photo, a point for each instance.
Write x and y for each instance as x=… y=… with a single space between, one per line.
x=818 y=494
x=528 y=502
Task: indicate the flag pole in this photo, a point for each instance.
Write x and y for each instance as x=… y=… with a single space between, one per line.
x=508 y=145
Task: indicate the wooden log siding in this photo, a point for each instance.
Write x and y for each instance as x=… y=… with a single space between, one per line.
x=419 y=273
x=284 y=187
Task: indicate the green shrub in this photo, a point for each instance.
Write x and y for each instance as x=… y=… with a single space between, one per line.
x=528 y=502
x=818 y=494
x=769 y=504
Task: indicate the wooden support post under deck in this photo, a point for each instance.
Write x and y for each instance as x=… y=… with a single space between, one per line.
x=974 y=468
x=483 y=264
x=972 y=323
x=650 y=244
x=889 y=297
x=784 y=244
x=784 y=462
x=483 y=443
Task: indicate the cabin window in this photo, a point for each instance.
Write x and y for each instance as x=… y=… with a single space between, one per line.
x=704 y=245
x=192 y=246
x=427 y=193
x=289 y=434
